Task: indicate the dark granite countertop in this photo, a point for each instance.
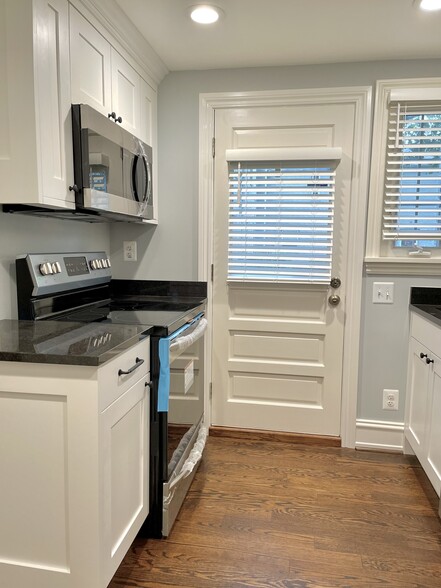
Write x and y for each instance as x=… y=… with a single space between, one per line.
x=427 y=303
x=68 y=343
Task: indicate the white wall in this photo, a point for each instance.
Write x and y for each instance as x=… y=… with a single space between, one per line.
x=170 y=250
x=23 y=234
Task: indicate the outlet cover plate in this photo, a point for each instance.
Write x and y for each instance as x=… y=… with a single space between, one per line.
x=130 y=251
x=390 y=399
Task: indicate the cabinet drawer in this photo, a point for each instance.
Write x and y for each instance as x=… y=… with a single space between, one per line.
x=112 y=382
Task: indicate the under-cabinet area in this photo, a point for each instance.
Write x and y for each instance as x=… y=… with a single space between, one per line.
x=74 y=467
x=423 y=405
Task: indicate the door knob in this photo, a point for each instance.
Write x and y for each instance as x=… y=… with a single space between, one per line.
x=335 y=283
x=334 y=300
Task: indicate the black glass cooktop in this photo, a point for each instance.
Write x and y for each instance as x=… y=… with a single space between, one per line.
x=166 y=316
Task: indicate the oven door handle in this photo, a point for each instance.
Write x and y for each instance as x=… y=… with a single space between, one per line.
x=181 y=343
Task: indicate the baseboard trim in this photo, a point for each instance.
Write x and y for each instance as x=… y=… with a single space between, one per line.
x=379 y=435
x=261 y=435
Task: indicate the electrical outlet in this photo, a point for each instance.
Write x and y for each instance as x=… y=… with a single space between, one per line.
x=390 y=399
x=130 y=251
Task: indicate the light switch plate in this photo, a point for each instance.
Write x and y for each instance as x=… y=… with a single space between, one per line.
x=383 y=293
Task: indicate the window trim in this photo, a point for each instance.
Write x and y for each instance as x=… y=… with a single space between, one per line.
x=376 y=260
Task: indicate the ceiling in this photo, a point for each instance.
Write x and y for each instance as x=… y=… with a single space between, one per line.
x=256 y=33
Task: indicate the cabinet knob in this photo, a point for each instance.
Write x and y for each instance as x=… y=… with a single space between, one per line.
x=74 y=188
x=428 y=360
x=119 y=119
x=112 y=115
x=423 y=355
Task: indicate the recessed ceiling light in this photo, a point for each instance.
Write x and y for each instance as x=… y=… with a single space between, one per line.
x=430 y=4
x=205 y=14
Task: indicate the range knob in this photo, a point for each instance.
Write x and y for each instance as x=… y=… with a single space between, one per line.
x=104 y=263
x=93 y=264
x=46 y=269
x=108 y=262
x=56 y=268
x=99 y=264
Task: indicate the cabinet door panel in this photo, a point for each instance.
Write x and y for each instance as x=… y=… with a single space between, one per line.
x=417 y=402
x=148 y=113
x=125 y=448
x=90 y=65
x=53 y=101
x=434 y=427
x=126 y=93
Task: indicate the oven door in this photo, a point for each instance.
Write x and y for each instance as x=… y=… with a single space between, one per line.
x=183 y=380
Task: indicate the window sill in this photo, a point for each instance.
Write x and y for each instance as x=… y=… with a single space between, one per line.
x=406 y=267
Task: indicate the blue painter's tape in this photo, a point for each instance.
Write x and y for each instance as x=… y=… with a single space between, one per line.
x=164 y=374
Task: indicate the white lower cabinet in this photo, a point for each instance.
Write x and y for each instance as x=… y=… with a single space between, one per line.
x=124 y=428
x=74 y=465
x=423 y=400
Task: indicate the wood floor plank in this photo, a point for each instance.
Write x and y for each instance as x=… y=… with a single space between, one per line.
x=268 y=514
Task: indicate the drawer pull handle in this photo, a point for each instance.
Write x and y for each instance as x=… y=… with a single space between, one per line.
x=429 y=361
x=132 y=369
x=423 y=355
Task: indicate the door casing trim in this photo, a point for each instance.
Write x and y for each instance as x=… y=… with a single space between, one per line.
x=361 y=98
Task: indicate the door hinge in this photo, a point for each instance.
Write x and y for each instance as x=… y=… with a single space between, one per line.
x=212 y=271
x=213 y=147
x=210 y=390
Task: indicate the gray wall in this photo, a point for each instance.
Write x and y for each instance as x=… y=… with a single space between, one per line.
x=22 y=234
x=383 y=354
x=170 y=250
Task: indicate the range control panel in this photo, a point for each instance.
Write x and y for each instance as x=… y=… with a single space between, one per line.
x=58 y=272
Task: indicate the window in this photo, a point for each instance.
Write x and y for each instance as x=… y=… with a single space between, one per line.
x=281 y=215
x=404 y=225
x=412 y=203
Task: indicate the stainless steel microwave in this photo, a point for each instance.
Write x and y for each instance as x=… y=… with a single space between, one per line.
x=112 y=168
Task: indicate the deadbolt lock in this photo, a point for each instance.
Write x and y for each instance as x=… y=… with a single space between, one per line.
x=334 y=300
x=335 y=283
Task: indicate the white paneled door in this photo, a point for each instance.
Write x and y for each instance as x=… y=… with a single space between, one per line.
x=278 y=345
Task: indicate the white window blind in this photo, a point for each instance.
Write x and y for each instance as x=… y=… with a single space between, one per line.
x=412 y=203
x=281 y=218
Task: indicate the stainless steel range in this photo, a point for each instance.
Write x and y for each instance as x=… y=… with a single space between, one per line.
x=78 y=287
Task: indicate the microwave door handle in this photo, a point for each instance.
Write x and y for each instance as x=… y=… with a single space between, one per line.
x=145 y=196
x=134 y=178
x=149 y=181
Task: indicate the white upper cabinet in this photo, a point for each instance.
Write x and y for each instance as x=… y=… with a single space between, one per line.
x=91 y=75
x=126 y=94
x=36 y=165
x=104 y=79
x=148 y=113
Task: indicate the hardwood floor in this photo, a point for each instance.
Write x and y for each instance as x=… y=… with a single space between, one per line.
x=271 y=514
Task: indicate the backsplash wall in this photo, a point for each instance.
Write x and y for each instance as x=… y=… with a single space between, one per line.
x=23 y=234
